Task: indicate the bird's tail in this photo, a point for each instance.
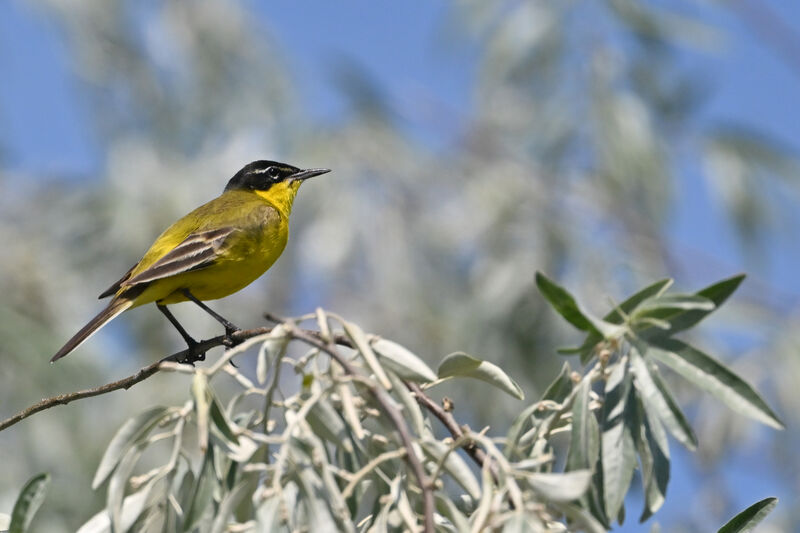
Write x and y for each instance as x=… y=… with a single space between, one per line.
x=114 y=308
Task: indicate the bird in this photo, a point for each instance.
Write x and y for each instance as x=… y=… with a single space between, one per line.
x=212 y=252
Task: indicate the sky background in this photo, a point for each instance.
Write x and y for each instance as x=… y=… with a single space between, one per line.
x=47 y=130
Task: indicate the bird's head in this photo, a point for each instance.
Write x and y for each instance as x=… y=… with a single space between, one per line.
x=275 y=182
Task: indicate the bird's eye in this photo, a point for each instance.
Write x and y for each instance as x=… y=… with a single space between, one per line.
x=273 y=172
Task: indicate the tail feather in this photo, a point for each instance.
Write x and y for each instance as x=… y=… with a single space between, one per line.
x=115 y=307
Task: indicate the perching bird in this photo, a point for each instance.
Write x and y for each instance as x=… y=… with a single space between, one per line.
x=216 y=250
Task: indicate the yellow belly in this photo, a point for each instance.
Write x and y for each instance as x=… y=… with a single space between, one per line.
x=242 y=262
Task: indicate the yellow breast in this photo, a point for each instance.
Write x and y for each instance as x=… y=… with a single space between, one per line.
x=260 y=237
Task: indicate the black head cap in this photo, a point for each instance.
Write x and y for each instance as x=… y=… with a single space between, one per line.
x=261 y=175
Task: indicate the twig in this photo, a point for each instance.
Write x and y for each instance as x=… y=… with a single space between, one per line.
x=313 y=339
x=133 y=379
x=477 y=454
x=64 y=399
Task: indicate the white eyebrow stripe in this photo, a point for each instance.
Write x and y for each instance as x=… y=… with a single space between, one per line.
x=259 y=170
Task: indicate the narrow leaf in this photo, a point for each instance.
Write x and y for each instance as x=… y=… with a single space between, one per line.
x=201 y=407
x=561 y=387
x=203 y=492
x=617 y=316
x=655 y=393
x=564 y=303
x=360 y=341
x=227 y=506
x=273 y=349
x=410 y=405
x=116 y=485
x=28 y=502
x=461 y=364
x=561 y=487
x=328 y=424
x=454 y=465
x=717 y=293
x=748 y=519
x=617 y=448
x=131 y=431
x=520 y=425
x=220 y=420
x=584 y=444
x=402 y=362
x=712 y=376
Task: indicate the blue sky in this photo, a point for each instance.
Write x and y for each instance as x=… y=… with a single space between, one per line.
x=45 y=125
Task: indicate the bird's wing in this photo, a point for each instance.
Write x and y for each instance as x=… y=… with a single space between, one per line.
x=112 y=290
x=196 y=251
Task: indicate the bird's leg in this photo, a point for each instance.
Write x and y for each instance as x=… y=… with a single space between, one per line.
x=230 y=327
x=188 y=338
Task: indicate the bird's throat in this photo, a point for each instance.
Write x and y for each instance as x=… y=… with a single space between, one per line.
x=281 y=196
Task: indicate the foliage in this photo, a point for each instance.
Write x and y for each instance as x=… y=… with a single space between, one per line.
x=338 y=453
x=588 y=131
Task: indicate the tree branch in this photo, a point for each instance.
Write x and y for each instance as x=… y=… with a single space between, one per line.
x=133 y=379
x=476 y=453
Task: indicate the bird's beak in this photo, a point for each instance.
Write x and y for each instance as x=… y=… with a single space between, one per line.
x=308 y=173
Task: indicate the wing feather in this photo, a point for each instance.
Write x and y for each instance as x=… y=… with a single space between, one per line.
x=196 y=251
x=112 y=290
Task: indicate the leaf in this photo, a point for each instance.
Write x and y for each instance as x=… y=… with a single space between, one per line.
x=717 y=293
x=5 y=520
x=656 y=395
x=653 y=450
x=448 y=509
x=617 y=448
x=130 y=432
x=584 y=446
x=712 y=376
x=402 y=362
x=410 y=405
x=220 y=420
x=520 y=522
x=132 y=507
x=667 y=307
x=561 y=387
x=617 y=315
x=564 y=303
x=203 y=492
x=227 y=506
x=360 y=341
x=201 y=407
x=580 y=519
x=274 y=348
x=560 y=487
x=116 y=485
x=28 y=502
x=748 y=519
x=454 y=465
x=461 y=364
x=327 y=423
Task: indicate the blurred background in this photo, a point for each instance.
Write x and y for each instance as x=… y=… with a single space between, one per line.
x=608 y=144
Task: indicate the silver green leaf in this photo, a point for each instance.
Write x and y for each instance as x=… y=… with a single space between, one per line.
x=28 y=502
x=402 y=362
x=561 y=487
x=130 y=432
x=464 y=365
x=712 y=376
x=748 y=519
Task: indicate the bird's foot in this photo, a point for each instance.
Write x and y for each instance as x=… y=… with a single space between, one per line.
x=193 y=354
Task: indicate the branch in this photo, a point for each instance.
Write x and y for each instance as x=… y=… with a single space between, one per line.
x=64 y=399
x=142 y=374
x=314 y=339
x=477 y=453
